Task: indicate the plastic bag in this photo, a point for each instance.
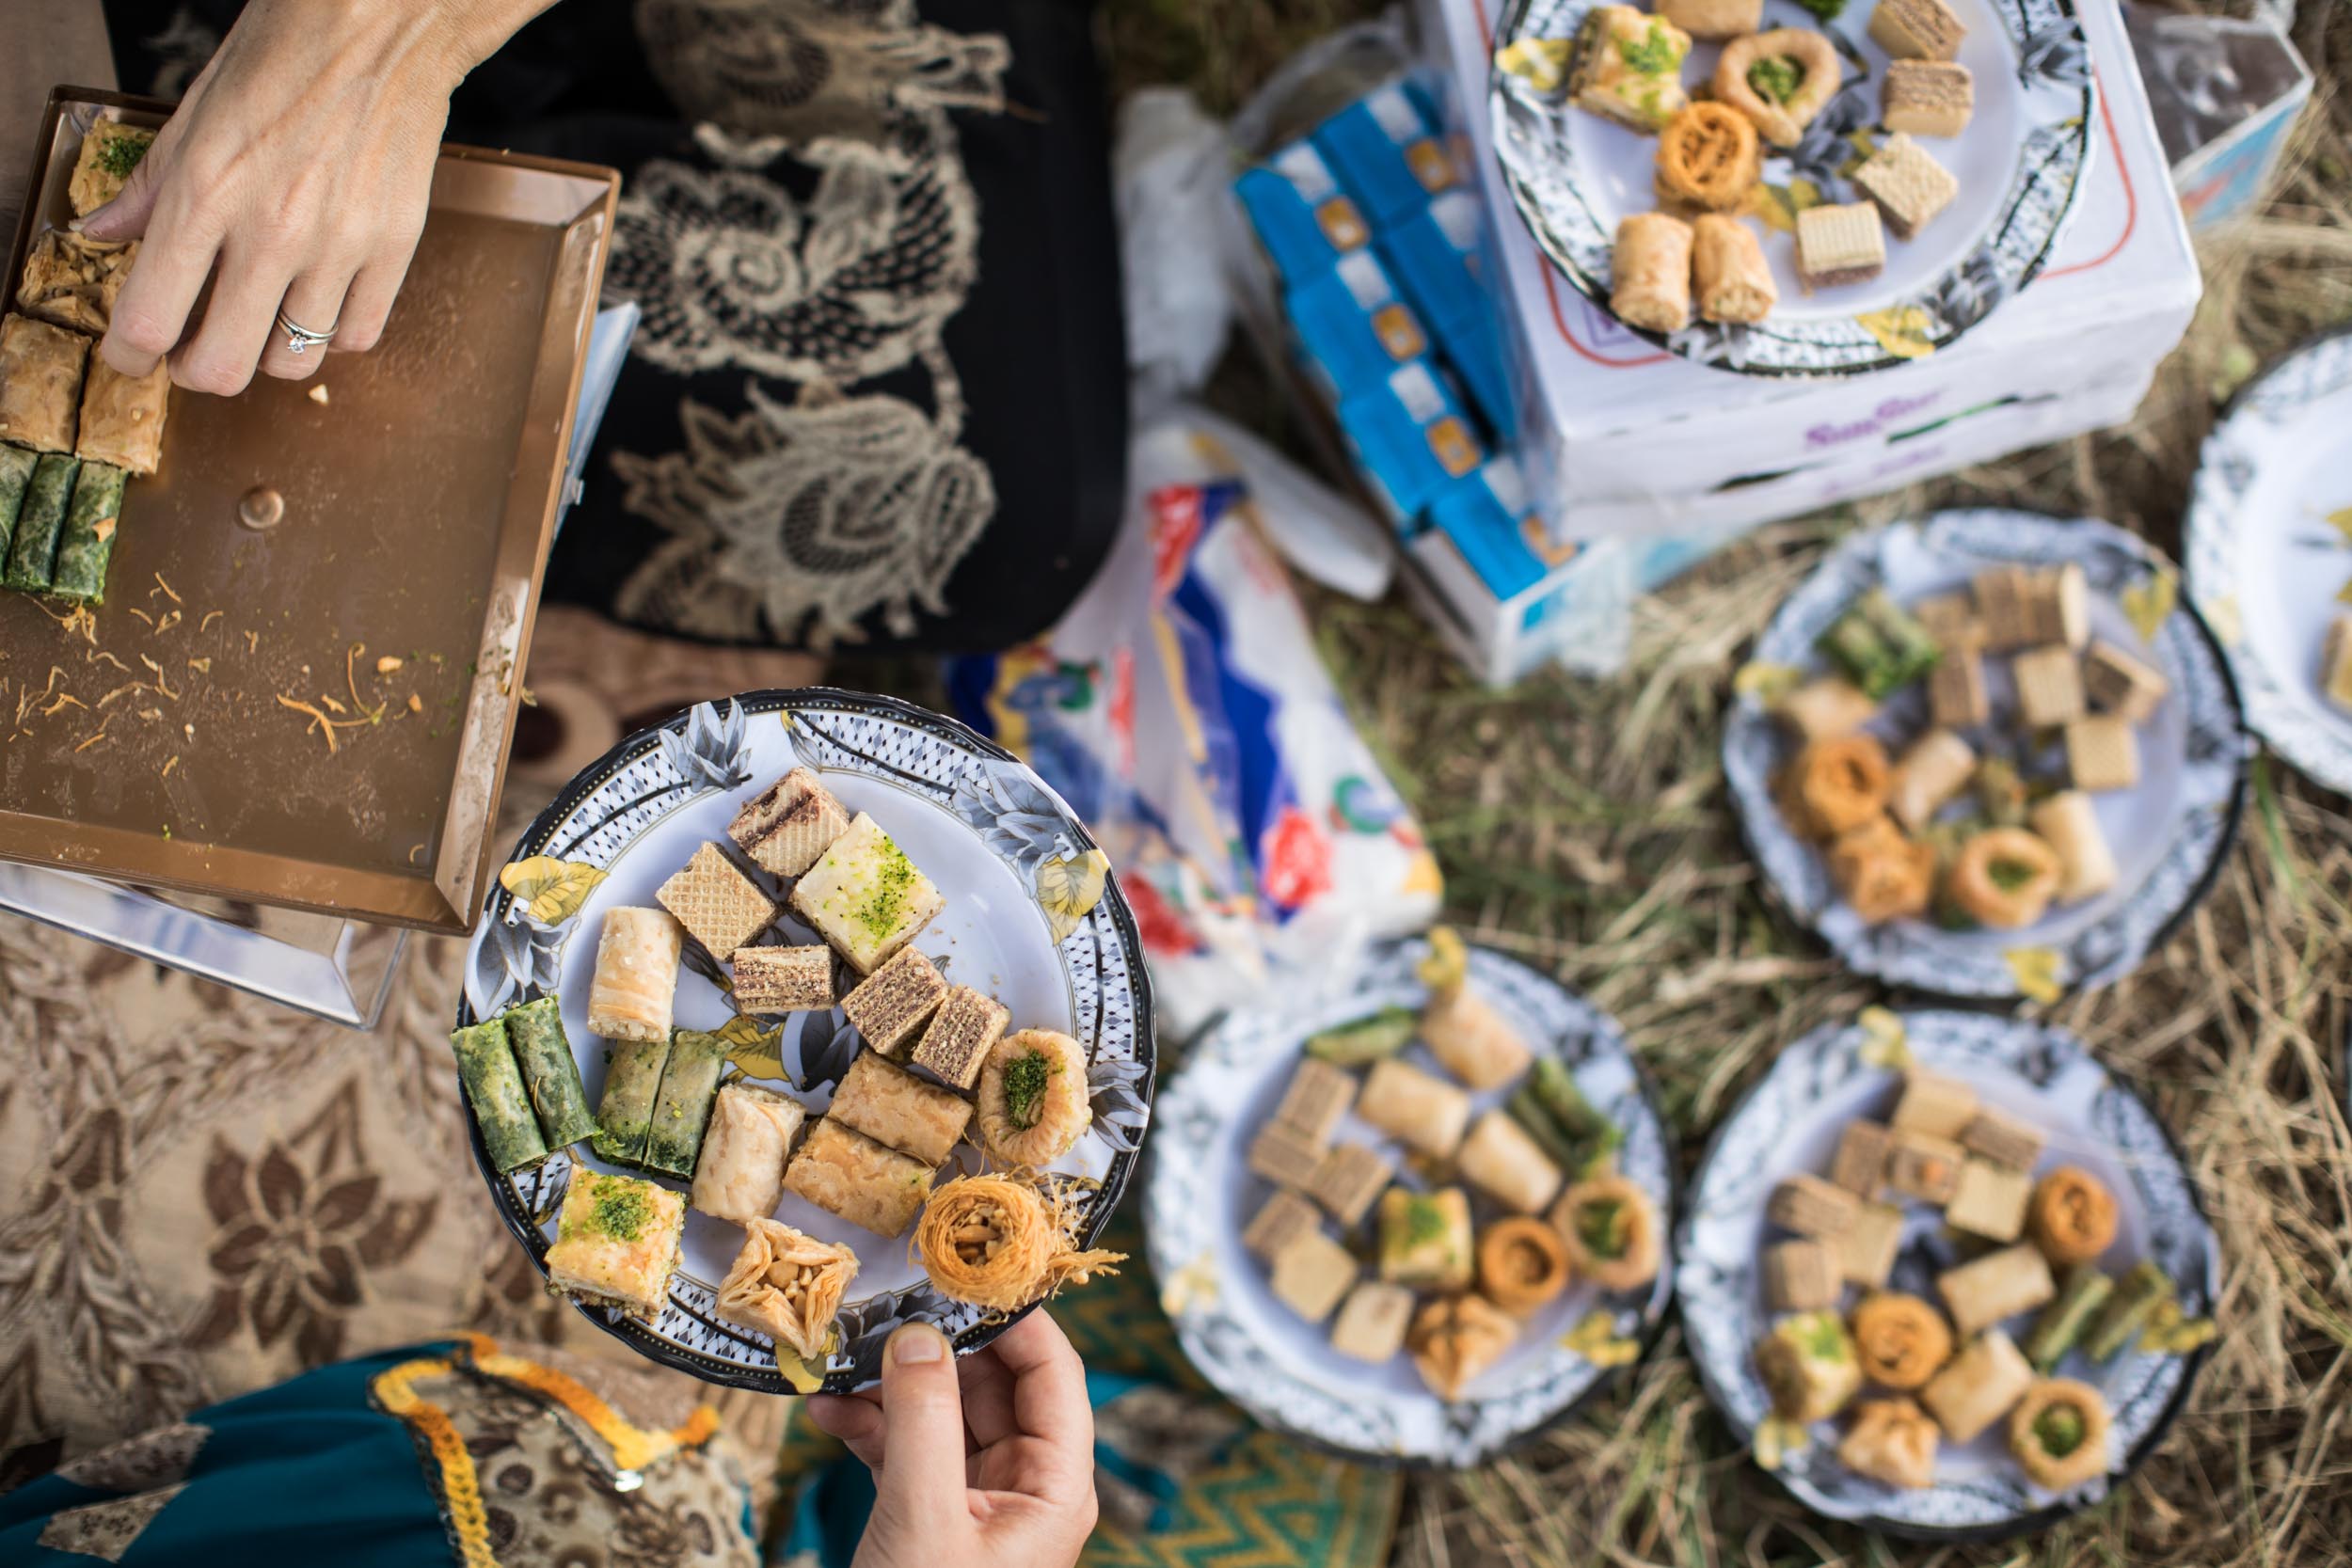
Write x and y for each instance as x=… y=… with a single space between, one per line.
x=1181 y=708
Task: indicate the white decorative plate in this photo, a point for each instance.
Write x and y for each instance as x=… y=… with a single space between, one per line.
x=1790 y=1122
x=2169 y=835
x=2269 y=543
x=2018 y=164
x=1199 y=1194
x=1032 y=918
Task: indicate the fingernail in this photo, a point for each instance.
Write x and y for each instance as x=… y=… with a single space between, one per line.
x=915 y=1344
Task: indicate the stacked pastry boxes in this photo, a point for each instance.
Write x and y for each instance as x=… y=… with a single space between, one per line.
x=1378 y=251
x=73 y=429
x=1637 y=464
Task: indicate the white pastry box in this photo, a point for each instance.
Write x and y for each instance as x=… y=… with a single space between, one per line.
x=1647 y=462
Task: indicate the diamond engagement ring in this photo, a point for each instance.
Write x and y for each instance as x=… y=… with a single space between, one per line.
x=301 y=339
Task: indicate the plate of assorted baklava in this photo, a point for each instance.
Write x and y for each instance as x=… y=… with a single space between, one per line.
x=1416 y=1218
x=2268 y=540
x=798 y=1019
x=1991 y=755
x=1795 y=187
x=1946 y=1276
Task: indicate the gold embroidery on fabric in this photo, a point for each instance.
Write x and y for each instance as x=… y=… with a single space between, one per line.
x=461 y=1489
x=805 y=515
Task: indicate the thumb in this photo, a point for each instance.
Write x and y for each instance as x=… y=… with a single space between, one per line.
x=125 y=217
x=922 y=1476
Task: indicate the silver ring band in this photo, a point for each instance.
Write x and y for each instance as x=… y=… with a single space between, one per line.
x=301 y=339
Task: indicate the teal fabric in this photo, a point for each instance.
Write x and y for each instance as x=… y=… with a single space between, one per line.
x=308 y=1471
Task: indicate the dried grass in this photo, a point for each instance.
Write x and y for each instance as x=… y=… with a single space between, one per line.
x=1586 y=826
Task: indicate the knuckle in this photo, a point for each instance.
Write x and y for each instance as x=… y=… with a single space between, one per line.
x=143 y=331
x=213 y=377
x=358 y=337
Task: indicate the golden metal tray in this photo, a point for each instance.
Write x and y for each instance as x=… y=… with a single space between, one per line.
x=421 y=484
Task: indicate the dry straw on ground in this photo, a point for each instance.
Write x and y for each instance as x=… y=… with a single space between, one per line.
x=1586 y=826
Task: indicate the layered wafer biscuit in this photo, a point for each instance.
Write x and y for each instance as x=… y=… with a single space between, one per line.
x=891 y=1006
x=782 y=979
x=1908 y=184
x=1840 y=245
x=1346 y=1181
x=1284 y=1217
x=785 y=829
x=716 y=903
x=962 y=1034
x=2101 y=753
x=2002 y=596
x=2119 y=683
x=2049 y=687
x=2057 y=605
x=1927 y=97
x=1917 y=29
x=1284 y=1154
x=1317 y=1096
x=1956 y=693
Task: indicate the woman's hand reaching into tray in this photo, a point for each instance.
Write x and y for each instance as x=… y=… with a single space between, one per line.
x=296 y=174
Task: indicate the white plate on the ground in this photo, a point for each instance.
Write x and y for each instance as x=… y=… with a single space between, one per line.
x=1790 y=1122
x=1021 y=923
x=2169 y=835
x=2269 y=543
x=1574 y=175
x=1199 y=1194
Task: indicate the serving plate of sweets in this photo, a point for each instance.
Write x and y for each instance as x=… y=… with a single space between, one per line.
x=800 y=1017
x=1414 y=1221
x=1991 y=753
x=1946 y=1276
x=1795 y=187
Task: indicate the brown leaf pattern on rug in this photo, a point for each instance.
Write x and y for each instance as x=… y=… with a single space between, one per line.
x=202 y=1193
x=298 y=1226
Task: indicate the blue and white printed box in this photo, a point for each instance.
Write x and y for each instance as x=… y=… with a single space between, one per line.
x=1435 y=258
x=1353 y=326
x=1411 y=440
x=1303 y=218
x=1386 y=148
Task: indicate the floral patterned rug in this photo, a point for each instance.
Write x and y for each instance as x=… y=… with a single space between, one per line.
x=204 y=1193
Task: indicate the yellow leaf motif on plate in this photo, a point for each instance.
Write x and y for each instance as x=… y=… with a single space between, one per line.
x=1885 y=1043
x=1069 y=887
x=551 y=890
x=805 y=1374
x=1776 y=1438
x=1769 y=205
x=1902 y=330
x=1595 y=1338
x=1194 y=1283
x=1541 y=63
x=2036 y=971
x=2222 y=616
x=758 y=1052
x=2344 y=594
x=1767 y=683
x=2341 y=520
x=2147 y=604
